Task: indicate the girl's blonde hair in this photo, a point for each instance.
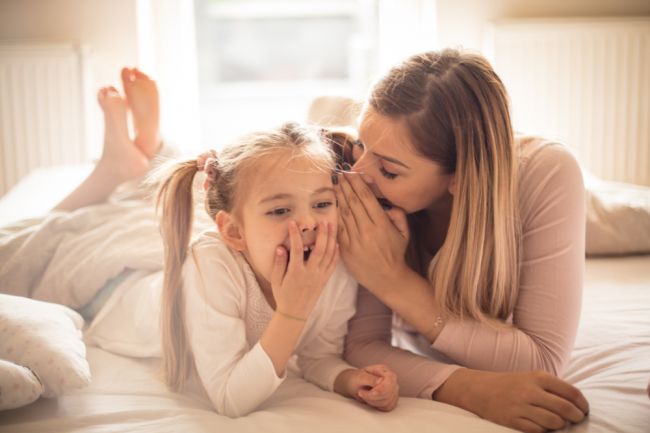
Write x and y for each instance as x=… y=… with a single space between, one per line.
x=456 y=110
x=225 y=188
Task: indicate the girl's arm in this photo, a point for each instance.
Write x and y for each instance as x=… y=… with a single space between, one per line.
x=320 y=359
x=236 y=377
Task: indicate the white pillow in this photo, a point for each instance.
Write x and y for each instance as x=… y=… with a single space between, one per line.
x=47 y=339
x=19 y=386
x=618 y=218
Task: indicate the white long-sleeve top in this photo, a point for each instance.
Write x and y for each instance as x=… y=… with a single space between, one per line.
x=226 y=313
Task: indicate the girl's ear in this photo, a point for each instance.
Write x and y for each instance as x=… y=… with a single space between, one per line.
x=231 y=231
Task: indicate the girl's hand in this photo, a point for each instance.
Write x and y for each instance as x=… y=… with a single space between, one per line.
x=526 y=401
x=373 y=241
x=298 y=285
x=375 y=385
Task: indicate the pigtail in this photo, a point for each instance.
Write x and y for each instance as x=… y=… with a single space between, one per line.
x=341 y=141
x=174 y=199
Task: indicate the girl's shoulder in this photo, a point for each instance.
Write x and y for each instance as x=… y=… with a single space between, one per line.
x=210 y=254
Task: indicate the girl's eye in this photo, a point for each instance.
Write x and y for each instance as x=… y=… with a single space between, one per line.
x=358 y=143
x=278 y=212
x=323 y=204
x=387 y=174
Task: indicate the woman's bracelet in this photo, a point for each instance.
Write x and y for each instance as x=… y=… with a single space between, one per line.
x=436 y=324
x=289 y=316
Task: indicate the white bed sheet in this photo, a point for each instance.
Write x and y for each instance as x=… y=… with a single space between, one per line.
x=610 y=364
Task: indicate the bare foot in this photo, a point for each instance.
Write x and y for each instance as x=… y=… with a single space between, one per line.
x=119 y=156
x=142 y=95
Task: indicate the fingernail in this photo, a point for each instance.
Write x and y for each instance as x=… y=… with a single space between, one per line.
x=279 y=251
x=335 y=179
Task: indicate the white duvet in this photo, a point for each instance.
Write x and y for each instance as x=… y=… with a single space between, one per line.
x=610 y=364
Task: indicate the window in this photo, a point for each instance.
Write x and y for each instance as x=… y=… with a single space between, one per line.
x=260 y=63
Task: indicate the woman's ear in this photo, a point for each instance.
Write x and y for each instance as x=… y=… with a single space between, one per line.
x=453 y=188
x=230 y=230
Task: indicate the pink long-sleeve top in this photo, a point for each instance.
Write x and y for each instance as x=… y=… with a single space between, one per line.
x=546 y=315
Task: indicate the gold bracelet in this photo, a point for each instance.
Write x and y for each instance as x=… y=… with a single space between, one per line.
x=289 y=316
x=436 y=324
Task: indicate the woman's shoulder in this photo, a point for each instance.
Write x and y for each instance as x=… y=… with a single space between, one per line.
x=547 y=169
x=538 y=150
x=541 y=159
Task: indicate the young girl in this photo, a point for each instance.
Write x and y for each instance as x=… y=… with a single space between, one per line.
x=240 y=301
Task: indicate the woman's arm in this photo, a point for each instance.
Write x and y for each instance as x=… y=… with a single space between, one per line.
x=527 y=401
x=369 y=342
x=547 y=312
x=548 y=306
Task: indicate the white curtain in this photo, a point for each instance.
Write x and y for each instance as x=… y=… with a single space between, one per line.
x=167 y=49
x=405 y=27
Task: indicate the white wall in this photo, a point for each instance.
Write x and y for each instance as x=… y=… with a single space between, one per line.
x=154 y=35
x=463 y=22
x=107 y=26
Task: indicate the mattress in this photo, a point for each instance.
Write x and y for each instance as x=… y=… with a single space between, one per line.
x=610 y=364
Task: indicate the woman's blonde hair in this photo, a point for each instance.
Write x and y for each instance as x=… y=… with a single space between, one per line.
x=174 y=198
x=456 y=110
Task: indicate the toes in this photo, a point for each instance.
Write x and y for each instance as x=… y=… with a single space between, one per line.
x=139 y=74
x=102 y=93
x=107 y=91
x=127 y=76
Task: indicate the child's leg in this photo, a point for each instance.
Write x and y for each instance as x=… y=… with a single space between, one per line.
x=142 y=95
x=121 y=160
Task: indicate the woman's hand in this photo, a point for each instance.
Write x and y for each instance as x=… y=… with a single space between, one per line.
x=373 y=241
x=375 y=385
x=297 y=285
x=527 y=401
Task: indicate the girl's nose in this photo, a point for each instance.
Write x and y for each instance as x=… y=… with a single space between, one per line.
x=306 y=222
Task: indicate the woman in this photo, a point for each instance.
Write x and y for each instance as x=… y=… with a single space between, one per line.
x=481 y=253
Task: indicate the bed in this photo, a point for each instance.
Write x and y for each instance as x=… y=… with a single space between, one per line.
x=610 y=364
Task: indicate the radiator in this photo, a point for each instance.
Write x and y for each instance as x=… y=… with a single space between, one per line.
x=583 y=82
x=42 y=115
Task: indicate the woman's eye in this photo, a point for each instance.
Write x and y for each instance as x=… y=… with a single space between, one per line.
x=323 y=204
x=278 y=212
x=387 y=174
